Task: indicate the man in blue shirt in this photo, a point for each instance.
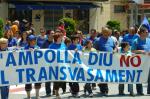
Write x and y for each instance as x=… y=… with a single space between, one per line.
x=44 y=46
x=142 y=46
x=41 y=38
x=107 y=44
x=131 y=36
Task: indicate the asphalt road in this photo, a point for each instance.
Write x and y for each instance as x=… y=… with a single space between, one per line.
x=113 y=93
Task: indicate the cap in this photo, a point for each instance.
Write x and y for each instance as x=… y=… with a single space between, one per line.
x=32 y=37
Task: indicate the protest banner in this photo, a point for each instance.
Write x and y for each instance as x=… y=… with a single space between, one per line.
x=22 y=67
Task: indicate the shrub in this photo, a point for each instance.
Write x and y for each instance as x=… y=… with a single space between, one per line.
x=1 y=27
x=70 y=26
x=114 y=25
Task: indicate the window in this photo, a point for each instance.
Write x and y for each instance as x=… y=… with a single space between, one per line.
x=119 y=9
x=51 y=18
x=146 y=1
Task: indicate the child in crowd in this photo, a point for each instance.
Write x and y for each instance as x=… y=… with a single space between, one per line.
x=4 y=89
x=74 y=86
x=125 y=49
x=67 y=42
x=28 y=87
x=88 y=48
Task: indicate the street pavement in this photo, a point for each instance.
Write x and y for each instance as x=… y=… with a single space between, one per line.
x=17 y=92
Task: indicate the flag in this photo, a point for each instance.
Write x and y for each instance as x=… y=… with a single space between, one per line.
x=145 y=23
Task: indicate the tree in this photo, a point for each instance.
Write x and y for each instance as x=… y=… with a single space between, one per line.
x=70 y=26
x=1 y=27
x=114 y=25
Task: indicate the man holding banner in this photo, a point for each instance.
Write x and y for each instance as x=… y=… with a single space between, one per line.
x=105 y=43
x=141 y=46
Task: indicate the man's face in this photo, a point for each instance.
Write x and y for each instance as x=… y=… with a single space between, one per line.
x=132 y=30
x=144 y=34
x=106 y=33
x=3 y=45
x=42 y=31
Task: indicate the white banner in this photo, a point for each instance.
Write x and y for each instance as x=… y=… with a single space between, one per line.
x=22 y=67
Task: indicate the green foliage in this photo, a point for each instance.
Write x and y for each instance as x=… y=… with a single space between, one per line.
x=114 y=25
x=70 y=26
x=149 y=20
x=1 y=27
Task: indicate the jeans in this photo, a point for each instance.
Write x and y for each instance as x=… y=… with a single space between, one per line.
x=103 y=88
x=48 y=88
x=88 y=88
x=121 y=88
x=139 y=88
x=4 y=92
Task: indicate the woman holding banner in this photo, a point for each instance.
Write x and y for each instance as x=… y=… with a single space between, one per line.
x=59 y=45
x=4 y=89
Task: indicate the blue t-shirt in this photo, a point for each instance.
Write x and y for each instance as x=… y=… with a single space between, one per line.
x=105 y=44
x=40 y=41
x=130 y=38
x=33 y=47
x=12 y=42
x=139 y=44
x=89 y=38
x=73 y=47
x=23 y=44
x=61 y=46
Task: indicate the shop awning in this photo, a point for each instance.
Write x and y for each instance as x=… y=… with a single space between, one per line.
x=55 y=6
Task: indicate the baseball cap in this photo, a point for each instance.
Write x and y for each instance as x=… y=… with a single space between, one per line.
x=32 y=37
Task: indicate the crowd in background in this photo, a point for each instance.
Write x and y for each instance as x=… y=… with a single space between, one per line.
x=22 y=35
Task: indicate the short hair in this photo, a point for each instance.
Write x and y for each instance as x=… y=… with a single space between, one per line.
x=67 y=40
x=87 y=42
x=3 y=40
x=73 y=37
x=142 y=29
x=56 y=36
x=124 y=44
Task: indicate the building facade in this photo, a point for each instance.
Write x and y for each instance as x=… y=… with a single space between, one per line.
x=89 y=13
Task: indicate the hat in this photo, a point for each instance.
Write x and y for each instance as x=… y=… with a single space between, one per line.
x=32 y=37
x=3 y=40
x=24 y=21
x=16 y=21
